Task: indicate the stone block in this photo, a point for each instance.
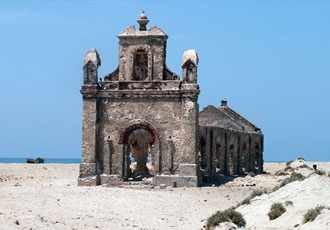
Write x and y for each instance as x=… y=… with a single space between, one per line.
x=87 y=181
x=162 y=186
x=187 y=170
x=87 y=170
x=110 y=180
x=179 y=181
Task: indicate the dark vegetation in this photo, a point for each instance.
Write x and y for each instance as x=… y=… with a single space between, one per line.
x=276 y=210
x=227 y=215
x=312 y=214
x=294 y=176
x=253 y=195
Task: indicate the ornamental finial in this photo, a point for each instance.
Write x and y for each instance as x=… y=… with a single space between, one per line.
x=143 y=21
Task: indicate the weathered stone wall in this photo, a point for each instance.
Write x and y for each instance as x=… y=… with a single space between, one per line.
x=229 y=152
x=111 y=115
x=155 y=46
x=142 y=93
x=88 y=165
x=164 y=114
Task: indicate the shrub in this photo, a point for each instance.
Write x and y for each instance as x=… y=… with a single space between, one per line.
x=294 y=176
x=226 y=215
x=253 y=195
x=304 y=166
x=276 y=210
x=288 y=168
x=288 y=163
x=320 y=172
x=277 y=187
x=281 y=173
x=288 y=202
x=256 y=193
x=251 y=174
x=246 y=201
x=312 y=214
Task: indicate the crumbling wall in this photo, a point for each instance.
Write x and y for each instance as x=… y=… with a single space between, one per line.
x=229 y=152
x=118 y=114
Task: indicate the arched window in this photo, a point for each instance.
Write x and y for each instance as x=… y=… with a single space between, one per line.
x=140 y=65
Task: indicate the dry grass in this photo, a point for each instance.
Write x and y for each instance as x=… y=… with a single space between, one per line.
x=312 y=214
x=227 y=215
x=276 y=210
x=294 y=176
x=253 y=195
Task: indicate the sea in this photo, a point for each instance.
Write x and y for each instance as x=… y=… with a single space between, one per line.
x=47 y=160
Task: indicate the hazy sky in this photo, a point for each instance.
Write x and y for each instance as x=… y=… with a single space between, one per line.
x=270 y=59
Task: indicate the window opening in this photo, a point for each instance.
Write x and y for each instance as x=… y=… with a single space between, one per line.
x=140 y=65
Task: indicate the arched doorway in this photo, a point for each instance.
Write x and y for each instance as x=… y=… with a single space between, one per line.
x=139 y=153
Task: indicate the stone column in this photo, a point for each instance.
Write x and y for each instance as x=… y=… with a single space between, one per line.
x=171 y=152
x=222 y=150
x=158 y=156
x=125 y=162
x=226 y=154
x=261 y=163
x=89 y=90
x=88 y=162
x=248 y=155
x=109 y=156
x=189 y=130
x=252 y=154
x=207 y=153
x=239 y=155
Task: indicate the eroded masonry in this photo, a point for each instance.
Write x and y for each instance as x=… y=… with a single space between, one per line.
x=141 y=121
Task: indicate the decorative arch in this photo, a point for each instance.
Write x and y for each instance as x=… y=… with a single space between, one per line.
x=134 y=125
x=189 y=71
x=141 y=167
x=141 y=60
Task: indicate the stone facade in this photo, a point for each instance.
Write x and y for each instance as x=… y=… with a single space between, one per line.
x=140 y=110
x=143 y=111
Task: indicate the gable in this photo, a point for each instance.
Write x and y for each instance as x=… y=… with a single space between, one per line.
x=226 y=118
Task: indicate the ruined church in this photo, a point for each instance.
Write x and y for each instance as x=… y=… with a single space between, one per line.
x=142 y=121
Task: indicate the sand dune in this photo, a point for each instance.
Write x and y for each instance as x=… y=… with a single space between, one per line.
x=46 y=196
x=297 y=198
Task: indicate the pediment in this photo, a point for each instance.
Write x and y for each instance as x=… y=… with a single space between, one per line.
x=131 y=31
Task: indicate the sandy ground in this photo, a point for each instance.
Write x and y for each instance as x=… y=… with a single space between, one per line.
x=46 y=196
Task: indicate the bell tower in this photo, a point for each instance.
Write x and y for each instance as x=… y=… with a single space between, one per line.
x=142 y=53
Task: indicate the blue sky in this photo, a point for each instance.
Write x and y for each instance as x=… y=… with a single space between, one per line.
x=270 y=59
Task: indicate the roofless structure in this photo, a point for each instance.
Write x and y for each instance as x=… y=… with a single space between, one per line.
x=142 y=121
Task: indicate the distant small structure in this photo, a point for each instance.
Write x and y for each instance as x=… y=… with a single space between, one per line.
x=37 y=160
x=143 y=110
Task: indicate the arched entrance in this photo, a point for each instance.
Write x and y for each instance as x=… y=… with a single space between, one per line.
x=138 y=139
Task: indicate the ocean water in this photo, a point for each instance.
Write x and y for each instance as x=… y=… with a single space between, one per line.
x=72 y=160
x=47 y=160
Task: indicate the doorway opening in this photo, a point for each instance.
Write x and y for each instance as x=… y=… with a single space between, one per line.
x=139 y=154
x=141 y=146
